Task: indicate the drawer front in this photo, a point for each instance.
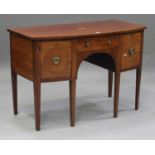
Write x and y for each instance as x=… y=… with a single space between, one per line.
x=131 y=51
x=94 y=44
x=55 y=60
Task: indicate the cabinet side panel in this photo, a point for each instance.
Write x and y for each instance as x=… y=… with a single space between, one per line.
x=22 y=56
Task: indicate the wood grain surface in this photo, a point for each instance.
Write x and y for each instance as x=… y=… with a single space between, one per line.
x=76 y=30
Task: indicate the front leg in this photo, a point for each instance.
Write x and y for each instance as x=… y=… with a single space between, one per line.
x=72 y=87
x=116 y=93
x=138 y=82
x=37 y=100
x=14 y=92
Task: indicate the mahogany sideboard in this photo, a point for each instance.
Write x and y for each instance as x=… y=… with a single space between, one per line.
x=55 y=52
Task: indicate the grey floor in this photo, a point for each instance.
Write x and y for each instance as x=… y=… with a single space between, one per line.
x=94 y=108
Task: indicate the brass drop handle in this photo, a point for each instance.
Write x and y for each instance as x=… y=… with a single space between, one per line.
x=56 y=60
x=87 y=45
x=131 y=51
x=109 y=42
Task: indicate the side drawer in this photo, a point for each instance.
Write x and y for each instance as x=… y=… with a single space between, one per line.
x=55 y=60
x=131 y=50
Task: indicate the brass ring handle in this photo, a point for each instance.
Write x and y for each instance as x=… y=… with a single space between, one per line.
x=87 y=45
x=56 y=60
x=131 y=51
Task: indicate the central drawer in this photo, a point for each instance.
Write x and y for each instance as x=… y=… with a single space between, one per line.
x=55 y=60
x=97 y=44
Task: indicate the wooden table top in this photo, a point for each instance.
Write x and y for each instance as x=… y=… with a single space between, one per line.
x=76 y=30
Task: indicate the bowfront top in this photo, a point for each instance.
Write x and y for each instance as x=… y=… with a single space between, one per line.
x=76 y=30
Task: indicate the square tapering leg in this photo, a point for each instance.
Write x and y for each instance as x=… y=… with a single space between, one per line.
x=110 y=83
x=72 y=88
x=138 y=82
x=14 y=92
x=116 y=93
x=37 y=101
